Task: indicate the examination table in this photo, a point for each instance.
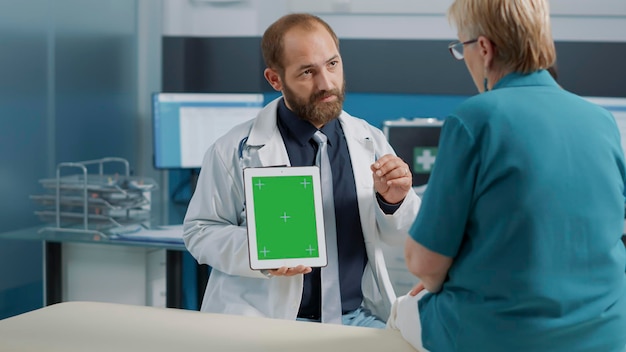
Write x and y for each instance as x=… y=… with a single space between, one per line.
x=91 y=326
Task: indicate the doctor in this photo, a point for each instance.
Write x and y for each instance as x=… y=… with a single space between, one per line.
x=373 y=198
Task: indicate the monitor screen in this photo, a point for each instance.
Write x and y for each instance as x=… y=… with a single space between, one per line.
x=416 y=142
x=186 y=124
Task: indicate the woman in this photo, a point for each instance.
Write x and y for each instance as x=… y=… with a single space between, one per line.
x=517 y=242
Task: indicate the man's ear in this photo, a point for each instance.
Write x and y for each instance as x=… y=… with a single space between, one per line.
x=487 y=51
x=273 y=78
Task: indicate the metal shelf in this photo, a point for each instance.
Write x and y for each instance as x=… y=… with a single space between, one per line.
x=91 y=202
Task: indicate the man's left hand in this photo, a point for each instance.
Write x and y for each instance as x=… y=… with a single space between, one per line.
x=392 y=178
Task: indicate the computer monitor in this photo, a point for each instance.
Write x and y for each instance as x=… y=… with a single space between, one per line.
x=416 y=142
x=186 y=124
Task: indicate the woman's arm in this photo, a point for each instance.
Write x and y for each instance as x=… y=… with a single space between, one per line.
x=430 y=267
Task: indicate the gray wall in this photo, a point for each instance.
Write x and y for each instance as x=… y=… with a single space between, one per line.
x=234 y=64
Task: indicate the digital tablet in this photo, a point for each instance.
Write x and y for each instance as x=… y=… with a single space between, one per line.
x=284 y=217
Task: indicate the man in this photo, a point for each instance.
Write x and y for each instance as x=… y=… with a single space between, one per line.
x=373 y=198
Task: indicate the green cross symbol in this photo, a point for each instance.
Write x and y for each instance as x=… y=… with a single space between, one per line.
x=424 y=159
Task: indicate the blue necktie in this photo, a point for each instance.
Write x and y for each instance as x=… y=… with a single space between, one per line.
x=331 y=295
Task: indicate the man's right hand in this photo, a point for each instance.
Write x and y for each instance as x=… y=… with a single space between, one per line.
x=285 y=271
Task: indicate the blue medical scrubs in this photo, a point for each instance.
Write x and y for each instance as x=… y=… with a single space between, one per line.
x=527 y=197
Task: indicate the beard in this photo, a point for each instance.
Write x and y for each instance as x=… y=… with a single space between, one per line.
x=311 y=109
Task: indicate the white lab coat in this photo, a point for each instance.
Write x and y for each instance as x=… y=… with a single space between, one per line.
x=215 y=223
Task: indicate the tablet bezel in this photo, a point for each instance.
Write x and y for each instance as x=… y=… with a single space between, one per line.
x=253 y=253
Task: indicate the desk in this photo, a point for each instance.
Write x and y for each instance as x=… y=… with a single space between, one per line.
x=53 y=241
x=89 y=326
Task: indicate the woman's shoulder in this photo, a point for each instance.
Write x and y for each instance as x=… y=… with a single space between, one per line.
x=478 y=108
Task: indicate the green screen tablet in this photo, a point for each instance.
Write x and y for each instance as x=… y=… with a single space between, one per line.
x=284 y=217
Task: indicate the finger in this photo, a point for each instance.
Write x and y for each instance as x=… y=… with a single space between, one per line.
x=399 y=185
x=416 y=289
x=301 y=269
x=390 y=167
x=379 y=181
x=285 y=271
x=295 y=270
x=399 y=177
x=381 y=166
x=399 y=172
x=280 y=271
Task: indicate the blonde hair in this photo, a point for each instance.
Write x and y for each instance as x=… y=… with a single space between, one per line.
x=519 y=29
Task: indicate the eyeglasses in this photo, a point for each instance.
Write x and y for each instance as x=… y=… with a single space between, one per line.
x=456 y=48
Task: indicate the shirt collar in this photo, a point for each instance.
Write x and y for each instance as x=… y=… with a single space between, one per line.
x=516 y=79
x=301 y=130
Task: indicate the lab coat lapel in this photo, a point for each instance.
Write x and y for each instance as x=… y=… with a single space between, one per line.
x=362 y=152
x=265 y=145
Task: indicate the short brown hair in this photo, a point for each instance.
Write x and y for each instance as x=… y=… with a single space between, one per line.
x=272 y=41
x=519 y=29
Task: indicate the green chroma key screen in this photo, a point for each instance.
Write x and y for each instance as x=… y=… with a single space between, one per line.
x=284 y=210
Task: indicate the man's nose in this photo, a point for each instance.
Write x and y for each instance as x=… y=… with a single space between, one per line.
x=324 y=81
